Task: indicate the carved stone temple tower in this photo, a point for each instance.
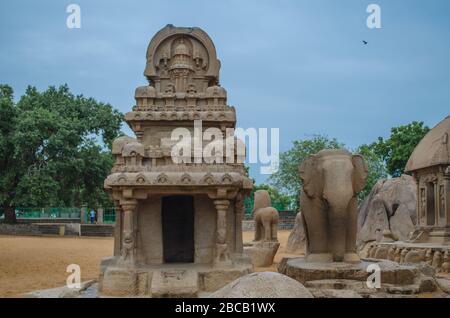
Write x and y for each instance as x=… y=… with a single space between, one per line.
x=178 y=225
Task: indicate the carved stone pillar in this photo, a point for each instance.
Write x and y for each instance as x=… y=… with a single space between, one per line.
x=447 y=194
x=422 y=207
x=222 y=255
x=118 y=231
x=127 y=253
x=100 y=215
x=83 y=213
x=436 y=202
x=239 y=214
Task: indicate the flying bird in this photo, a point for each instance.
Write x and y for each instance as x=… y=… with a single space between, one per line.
x=365 y=42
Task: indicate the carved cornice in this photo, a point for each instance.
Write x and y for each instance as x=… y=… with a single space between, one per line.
x=151 y=179
x=143 y=116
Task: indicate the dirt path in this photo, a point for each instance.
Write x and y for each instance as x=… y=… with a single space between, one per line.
x=31 y=263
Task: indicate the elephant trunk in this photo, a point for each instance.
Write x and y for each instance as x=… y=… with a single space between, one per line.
x=337 y=237
x=337 y=225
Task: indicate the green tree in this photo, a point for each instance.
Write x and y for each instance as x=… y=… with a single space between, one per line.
x=55 y=149
x=376 y=166
x=287 y=179
x=8 y=177
x=397 y=149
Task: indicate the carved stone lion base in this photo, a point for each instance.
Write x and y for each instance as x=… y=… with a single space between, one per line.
x=370 y=278
x=262 y=253
x=432 y=254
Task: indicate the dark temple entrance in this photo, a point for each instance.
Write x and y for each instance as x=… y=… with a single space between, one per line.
x=178 y=229
x=431 y=208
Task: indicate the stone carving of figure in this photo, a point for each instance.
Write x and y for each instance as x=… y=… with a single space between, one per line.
x=266 y=218
x=127 y=248
x=164 y=59
x=332 y=179
x=266 y=244
x=198 y=59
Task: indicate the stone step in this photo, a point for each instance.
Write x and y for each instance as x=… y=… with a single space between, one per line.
x=103 y=230
x=391 y=272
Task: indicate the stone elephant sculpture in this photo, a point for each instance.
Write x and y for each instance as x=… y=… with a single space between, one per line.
x=331 y=181
x=266 y=217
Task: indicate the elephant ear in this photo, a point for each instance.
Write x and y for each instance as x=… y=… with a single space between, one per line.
x=307 y=171
x=359 y=173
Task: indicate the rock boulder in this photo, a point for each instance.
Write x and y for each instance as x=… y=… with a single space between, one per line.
x=263 y=285
x=389 y=208
x=297 y=239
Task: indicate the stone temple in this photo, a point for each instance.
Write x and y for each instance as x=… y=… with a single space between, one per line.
x=430 y=166
x=178 y=229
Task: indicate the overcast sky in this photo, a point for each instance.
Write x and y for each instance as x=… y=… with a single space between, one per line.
x=297 y=65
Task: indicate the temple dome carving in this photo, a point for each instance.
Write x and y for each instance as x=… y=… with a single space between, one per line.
x=145 y=92
x=216 y=91
x=119 y=143
x=433 y=149
x=175 y=48
x=132 y=149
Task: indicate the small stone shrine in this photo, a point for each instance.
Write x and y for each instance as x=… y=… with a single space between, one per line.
x=178 y=224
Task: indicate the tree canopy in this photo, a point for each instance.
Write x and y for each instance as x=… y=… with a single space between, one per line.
x=54 y=148
x=397 y=149
x=377 y=168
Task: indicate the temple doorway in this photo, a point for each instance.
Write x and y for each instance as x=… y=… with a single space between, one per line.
x=178 y=229
x=431 y=204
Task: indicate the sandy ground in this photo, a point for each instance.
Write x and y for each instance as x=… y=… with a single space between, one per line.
x=31 y=263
